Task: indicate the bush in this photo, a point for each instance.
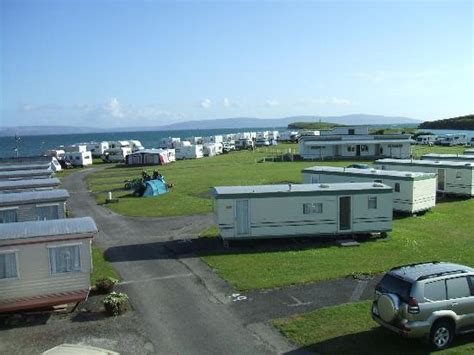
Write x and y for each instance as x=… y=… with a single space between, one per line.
x=115 y=303
x=105 y=285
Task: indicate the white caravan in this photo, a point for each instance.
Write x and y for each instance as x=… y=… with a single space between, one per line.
x=453 y=177
x=79 y=158
x=189 y=151
x=97 y=148
x=412 y=192
x=297 y=210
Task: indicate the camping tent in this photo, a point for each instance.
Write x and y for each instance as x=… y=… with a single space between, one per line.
x=155 y=187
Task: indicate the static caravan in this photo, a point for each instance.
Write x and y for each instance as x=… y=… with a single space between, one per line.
x=426 y=139
x=28 y=185
x=453 y=177
x=451 y=157
x=273 y=211
x=189 y=151
x=79 y=147
x=33 y=205
x=469 y=151
x=49 y=163
x=79 y=158
x=116 y=155
x=150 y=157
x=170 y=142
x=56 y=153
x=45 y=263
x=97 y=148
x=26 y=174
x=412 y=192
x=213 y=139
x=136 y=145
x=211 y=149
x=454 y=139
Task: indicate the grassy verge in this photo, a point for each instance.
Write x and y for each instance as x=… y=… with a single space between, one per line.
x=349 y=329
x=445 y=233
x=102 y=268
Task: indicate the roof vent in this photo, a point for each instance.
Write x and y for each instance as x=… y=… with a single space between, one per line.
x=409 y=174
x=373 y=170
x=377 y=184
x=468 y=164
x=324 y=186
x=436 y=161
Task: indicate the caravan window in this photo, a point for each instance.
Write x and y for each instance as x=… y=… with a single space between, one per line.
x=8 y=216
x=45 y=213
x=310 y=208
x=397 y=187
x=64 y=259
x=372 y=203
x=458 y=174
x=8 y=265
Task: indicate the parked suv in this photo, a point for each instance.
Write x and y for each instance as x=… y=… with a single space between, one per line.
x=433 y=300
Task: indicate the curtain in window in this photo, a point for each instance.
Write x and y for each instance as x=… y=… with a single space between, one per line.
x=8 y=266
x=65 y=259
x=47 y=212
x=8 y=216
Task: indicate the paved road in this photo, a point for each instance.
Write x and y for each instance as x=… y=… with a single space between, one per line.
x=185 y=311
x=185 y=306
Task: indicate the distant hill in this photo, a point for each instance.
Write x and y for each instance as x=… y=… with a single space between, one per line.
x=249 y=122
x=224 y=123
x=46 y=130
x=461 y=122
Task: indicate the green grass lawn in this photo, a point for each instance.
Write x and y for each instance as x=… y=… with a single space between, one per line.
x=193 y=179
x=445 y=233
x=349 y=329
x=101 y=268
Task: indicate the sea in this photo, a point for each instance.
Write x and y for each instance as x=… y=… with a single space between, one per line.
x=36 y=145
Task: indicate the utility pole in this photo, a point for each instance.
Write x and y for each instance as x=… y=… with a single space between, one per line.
x=17 y=145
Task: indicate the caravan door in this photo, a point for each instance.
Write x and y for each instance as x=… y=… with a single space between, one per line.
x=441 y=179
x=345 y=214
x=242 y=220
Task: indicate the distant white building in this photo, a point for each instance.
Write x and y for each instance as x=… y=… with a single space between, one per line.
x=354 y=142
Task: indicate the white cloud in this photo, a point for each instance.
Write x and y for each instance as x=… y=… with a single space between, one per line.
x=272 y=103
x=206 y=103
x=114 y=108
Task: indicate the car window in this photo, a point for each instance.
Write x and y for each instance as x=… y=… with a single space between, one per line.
x=392 y=284
x=458 y=288
x=470 y=279
x=435 y=291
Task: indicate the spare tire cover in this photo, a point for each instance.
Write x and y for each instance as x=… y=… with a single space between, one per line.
x=388 y=306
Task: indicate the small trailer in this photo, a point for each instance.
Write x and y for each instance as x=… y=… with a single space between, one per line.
x=33 y=205
x=426 y=139
x=7 y=186
x=453 y=177
x=116 y=155
x=26 y=174
x=80 y=158
x=450 y=157
x=412 y=192
x=189 y=151
x=97 y=148
x=45 y=263
x=297 y=210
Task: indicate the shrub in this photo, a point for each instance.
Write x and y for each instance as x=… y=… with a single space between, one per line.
x=105 y=285
x=115 y=303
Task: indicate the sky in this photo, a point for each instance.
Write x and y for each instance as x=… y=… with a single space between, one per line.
x=126 y=63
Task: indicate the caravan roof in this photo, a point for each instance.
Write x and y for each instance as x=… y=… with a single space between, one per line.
x=33 y=196
x=25 y=174
x=50 y=228
x=298 y=189
x=443 y=163
x=28 y=184
x=14 y=167
x=400 y=175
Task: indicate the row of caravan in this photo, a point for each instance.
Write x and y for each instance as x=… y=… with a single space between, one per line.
x=339 y=201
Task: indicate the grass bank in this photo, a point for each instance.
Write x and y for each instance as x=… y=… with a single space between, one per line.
x=349 y=329
x=101 y=267
x=445 y=233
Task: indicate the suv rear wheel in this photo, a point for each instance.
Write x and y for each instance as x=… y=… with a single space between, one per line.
x=441 y=335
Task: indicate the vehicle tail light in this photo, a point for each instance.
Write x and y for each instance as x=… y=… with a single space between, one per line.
x=413 y=307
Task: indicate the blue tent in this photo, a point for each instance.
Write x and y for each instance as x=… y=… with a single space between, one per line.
x=155 y=188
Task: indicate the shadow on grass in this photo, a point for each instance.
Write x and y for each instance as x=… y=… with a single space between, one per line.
x=377 y=341
x=213 y=246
